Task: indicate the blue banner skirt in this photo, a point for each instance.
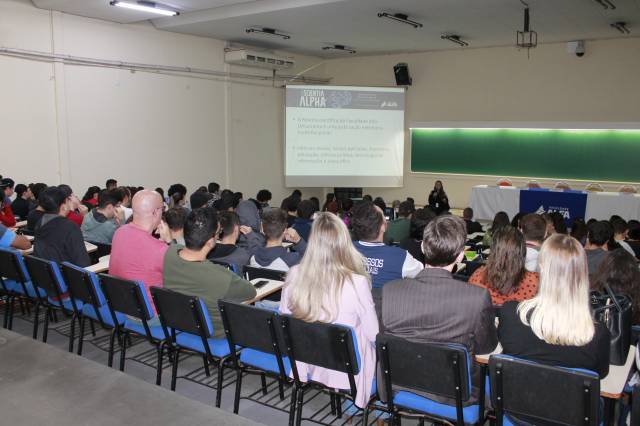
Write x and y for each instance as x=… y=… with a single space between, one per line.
x=570 y=204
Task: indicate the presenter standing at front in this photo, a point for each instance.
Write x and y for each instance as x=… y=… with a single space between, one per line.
x=438 y=199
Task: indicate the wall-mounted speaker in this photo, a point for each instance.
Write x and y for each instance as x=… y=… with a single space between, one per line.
x=401 y=72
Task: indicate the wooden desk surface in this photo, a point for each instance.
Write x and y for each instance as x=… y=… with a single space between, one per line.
x=271 y=287
x=21 y=224
x=610 y=387
x=101 y=266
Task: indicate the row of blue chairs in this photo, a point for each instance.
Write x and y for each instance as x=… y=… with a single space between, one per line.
x=418 y=376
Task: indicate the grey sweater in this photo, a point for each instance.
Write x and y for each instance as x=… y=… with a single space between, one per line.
x=96 y=228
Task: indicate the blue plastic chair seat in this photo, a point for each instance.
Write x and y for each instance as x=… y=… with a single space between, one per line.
x=66 y=304
x=218 y=347
x=17 y=288
x=89 y=311
x=156 y=331
x=426 y=405
x=264 y=361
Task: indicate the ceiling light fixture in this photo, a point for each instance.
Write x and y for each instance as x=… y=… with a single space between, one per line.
x=527 y=38
x=400 y=17
x=145 y=6
x=340 y=48
x=455 y=39
x=622 y=27
x=269 y=32
x=607 y=4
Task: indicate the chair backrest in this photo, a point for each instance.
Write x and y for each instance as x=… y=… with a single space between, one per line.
x=532 y=390
x=83 y=285
x=127 y=297
x=339 y=350
x=251 y=273
x=45 y=274
x=12 y=265
x=562 y=185
x=437 y=368
x=628 y=189
x=504 y=182
x=594 y=187
x=229 y=266
x=249 y=326
x=182 y=312
x=533 y=184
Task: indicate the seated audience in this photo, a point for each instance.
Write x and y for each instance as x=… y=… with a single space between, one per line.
x=187 y=270
x=302 y=223
x=499 y=220
x=382 y=205
x=214 y=190
x=9 y=239
x=579 y=230
x=111 y=184
x=296 y=194
x=331 y=285
x=413 y=244
x=316 y=204
x=174 y=219
x=21 y=205
x=515 y=222
x=226 y=250
x=56 y=237
x=101 y=223
x=36 y=189
x=6 y=214
x=249 y=215
x=292 y=210
x=330 y=203
x=384 y=263
x=263 y=197
x=273 y=255
x=551 y=228
x=199 y=199
x=35 y=215
x=598 y=236
x=225 y=203
x=177 y=194
x=237 y=199
x=399 y=229
x=620 y=233
x=556 y=326
x=504 y=274
x=435 y=307
x=135 y=253
x=345 y=211
x=472 y=226
x=619 y=270
x=559 y=225
x=90 y=199
x=124 y=202
x=534 y=229
x=633 y=237
x=77 y=211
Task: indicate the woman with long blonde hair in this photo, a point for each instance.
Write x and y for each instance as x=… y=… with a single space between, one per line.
x=331 y=285
x=556 y=327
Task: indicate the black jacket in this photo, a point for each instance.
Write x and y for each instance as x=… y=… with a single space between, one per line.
x=60 y=240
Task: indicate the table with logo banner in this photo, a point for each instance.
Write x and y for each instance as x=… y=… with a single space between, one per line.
x=486 y=201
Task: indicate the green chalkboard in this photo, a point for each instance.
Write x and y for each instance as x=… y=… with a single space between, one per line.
x=602 y=155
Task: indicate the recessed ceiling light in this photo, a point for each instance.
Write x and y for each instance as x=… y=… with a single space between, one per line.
x=145 y=6
x=268 y=32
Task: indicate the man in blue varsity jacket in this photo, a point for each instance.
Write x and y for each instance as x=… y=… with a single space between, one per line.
x=384 y=263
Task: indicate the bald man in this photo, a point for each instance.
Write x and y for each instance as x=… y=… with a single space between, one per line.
x=135 y=253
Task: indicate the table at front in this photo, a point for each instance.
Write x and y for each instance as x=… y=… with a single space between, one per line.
x=486 y=201
x=42 y=384
x=611 y=387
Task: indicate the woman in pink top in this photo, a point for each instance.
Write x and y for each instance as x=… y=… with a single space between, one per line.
x=331 y=285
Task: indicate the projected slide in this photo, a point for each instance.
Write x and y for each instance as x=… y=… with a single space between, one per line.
x=344 y=136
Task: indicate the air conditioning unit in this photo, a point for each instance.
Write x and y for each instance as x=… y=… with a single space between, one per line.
x=250 y=58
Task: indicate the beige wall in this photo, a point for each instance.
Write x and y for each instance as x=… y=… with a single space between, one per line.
x=81 y=125
x=501 y=84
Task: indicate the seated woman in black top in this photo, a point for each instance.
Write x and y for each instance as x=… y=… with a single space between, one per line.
x=556 y=327
x=438 y=199
x=413 y=244
x=619 y=270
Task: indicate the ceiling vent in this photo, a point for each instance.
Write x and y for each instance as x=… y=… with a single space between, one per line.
x=251 y=58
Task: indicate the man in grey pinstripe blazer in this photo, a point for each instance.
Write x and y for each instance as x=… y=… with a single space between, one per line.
x=435 y=307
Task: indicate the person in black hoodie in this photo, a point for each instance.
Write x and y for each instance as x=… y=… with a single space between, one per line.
x=56 y=237
x=226 y=250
